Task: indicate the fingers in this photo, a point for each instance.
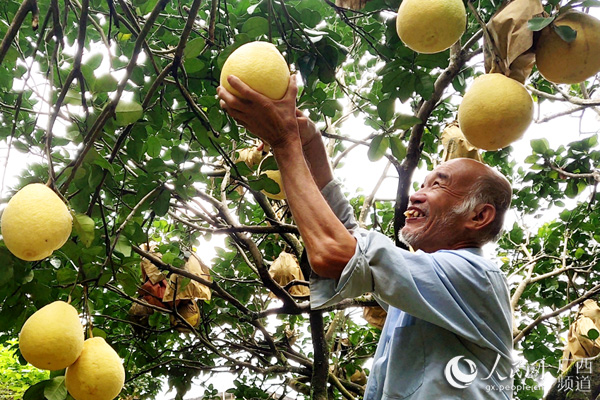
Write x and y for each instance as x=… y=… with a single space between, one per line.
x=229 y=102
x=292 y=90
x=245 y=91
x=300 y=114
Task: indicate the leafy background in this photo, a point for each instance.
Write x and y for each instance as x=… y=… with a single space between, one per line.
x=163 y=170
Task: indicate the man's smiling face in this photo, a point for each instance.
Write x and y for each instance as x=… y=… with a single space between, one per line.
x=431 y=221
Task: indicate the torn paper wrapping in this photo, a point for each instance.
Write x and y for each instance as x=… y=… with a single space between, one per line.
x=578 y=345
x=286 y=269
x=351 y=4
x=456 y=145
x=375 y=316
x=150 y=270
x=193 y=289
x=510 y=52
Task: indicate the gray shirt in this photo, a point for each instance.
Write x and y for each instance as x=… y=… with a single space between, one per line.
x=448 y=331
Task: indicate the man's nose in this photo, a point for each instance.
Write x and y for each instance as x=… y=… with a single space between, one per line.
x=417 y=197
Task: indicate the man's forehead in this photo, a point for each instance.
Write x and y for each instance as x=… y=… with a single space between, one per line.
x=455 y=169
x=438 y=174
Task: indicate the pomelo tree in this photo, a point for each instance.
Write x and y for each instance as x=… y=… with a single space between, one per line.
x=115 y=104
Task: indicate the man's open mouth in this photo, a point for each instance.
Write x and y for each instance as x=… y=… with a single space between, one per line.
x=414 y=213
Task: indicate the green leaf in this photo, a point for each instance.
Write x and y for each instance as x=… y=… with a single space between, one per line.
x=538 y=23
x=330 y=107
x=540 y=146
x=94 y=61
x=177 y=154
x=256 y=26
x=123 y=246
x=128 y=112
x=66 y=276
x=404 y=122
x=591 y=3
x=424 y=85
x=193 y=65
x=97 y=332
x=269 y=185
x=269 y=163
x=84 y=227
x=398 y=148
x=55 y=389
x=105 y=83
x=593 y=334
x=153 y=146
x=161 y=204
x=566 y=33
x=386 y=109
x=194 y=47
x=572 y=190
x=378 y=147
x=72 y=97
x=36 y=392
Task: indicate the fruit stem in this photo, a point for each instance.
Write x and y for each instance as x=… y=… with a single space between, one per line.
x=87 y=313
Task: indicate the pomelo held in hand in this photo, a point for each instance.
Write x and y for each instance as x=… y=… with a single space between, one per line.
x=495 y=111
x=98 y=373
x=574 y=62
x=35 y=223
x=259 y=65
x=431 y=26
x=52 y=338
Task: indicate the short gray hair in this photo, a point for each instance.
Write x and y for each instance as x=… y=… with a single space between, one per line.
x=494 y=189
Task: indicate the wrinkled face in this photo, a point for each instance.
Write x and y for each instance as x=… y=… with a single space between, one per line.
x=431 y=223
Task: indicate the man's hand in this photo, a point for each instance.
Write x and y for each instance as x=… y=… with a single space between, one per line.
x=274 y=121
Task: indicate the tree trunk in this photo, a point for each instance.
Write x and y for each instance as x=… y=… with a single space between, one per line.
x=320 y=373
x=581 y=381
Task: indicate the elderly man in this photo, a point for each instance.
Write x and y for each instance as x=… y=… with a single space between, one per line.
x=448 y=330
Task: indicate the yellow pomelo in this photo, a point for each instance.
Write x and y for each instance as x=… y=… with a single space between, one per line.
x=495 y=111
x=190 y=312
x=562 y=62
x=259 y=65
x=276 y=176
x=98 y=373
x=35 y=222
x=52 y=338
x=431 y=26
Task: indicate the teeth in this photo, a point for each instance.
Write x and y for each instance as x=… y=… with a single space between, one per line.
x=413 y=214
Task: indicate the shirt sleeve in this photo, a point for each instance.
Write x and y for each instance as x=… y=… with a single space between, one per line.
x=332 y=192
x=457 y=290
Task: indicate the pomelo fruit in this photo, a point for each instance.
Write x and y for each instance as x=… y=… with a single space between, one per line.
x=35 y=222
x=495 y=111
x=52 y=338
x=259 y=65
x=431 y=26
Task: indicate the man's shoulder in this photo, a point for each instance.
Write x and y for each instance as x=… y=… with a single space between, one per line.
x=473 y=256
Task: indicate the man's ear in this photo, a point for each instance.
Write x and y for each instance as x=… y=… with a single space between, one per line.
x=482 y=216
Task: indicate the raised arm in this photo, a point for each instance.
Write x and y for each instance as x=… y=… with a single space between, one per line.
x=328 y=243
x=315 y=153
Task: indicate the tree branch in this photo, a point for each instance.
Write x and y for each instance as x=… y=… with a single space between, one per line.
x=405 y=170
x=26 y=7
x=320 y=372
x=593 y=291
